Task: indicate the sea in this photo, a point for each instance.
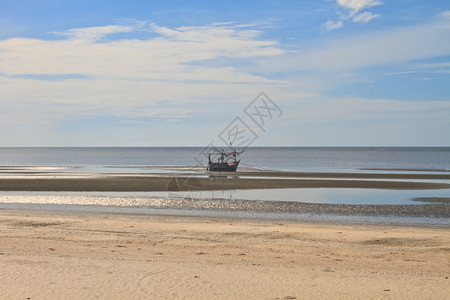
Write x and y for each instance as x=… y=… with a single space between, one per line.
x=337 y=159
x=429 y=160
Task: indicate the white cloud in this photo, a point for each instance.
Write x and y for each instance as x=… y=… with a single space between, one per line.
x=445 y=15
x=329 y=109
x=332 y=25
x=354 y=6
x=429 y=68
x=366 y=122
x=145 y=84
x=399 y=73
x=364 y=17
x=97 y=107
x=95 y=33
x=90 y=74
x=169 y=56
x=433 y=65
x=380 y=48
x=423 y=78
x=352 y=10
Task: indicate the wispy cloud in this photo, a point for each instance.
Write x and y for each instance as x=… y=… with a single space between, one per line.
x=390 y=46
x=99 y=72
x=355 y=6
x=332 y=25
x=364 y=17
x=430 y=68
x=169 y=55
x=388 y=121
x=352 y=10
x=136 y=82
x=433 y=68
x=95 y=33
x=399 y=73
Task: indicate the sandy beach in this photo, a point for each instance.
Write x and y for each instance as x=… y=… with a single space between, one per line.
x=57 y=253
x=224 y=150
x=50 y=255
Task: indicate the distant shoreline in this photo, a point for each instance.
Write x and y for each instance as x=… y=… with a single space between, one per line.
x=225 y=146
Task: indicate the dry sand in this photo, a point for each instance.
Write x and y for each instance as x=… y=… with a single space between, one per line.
x=57 y=255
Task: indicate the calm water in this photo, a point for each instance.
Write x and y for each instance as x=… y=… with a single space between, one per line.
x=289 y=159
x=435 y=160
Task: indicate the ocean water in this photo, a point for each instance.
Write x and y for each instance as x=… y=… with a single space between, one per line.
x=274 y=158
x=316 y=159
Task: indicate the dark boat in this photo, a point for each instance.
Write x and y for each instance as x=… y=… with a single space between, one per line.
x=226 y=162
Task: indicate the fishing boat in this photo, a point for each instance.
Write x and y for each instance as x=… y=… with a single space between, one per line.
x=226 y=162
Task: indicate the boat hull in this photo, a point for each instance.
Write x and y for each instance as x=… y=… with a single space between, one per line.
x=223 y=167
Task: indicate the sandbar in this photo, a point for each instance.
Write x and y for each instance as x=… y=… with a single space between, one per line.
x=223 y=181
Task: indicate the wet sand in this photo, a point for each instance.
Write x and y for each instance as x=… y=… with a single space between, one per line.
x=55 y=255
x=45 y=181
x=432 y=199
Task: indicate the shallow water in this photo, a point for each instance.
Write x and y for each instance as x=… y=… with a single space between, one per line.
x=391 y=220
x=90 y=161
x=330 y=195
x=304 y=195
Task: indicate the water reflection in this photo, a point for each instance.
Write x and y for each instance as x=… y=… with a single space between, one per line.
x=306 y=195
x=216 y=176
x=329 y=195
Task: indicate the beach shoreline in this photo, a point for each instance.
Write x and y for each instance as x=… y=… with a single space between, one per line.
x=60 y=239
x=54 y=254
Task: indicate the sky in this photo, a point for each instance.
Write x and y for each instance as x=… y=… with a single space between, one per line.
x=253 y=73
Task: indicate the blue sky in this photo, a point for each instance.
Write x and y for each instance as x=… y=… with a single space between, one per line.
x=177 y=73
